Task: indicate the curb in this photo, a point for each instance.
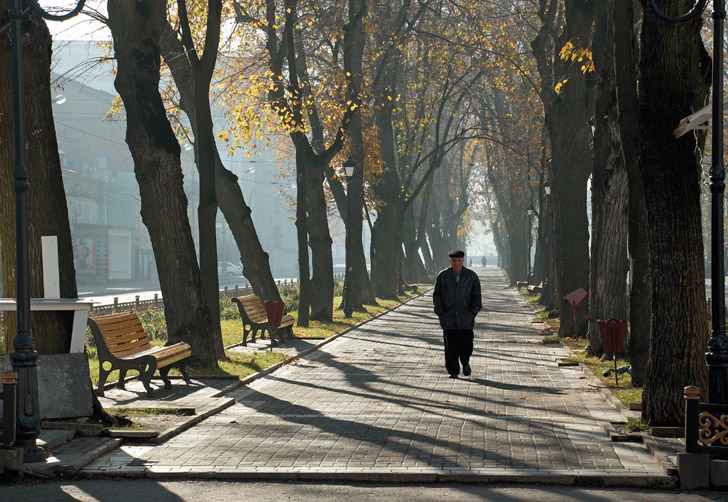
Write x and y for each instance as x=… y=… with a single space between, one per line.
x=397 y=476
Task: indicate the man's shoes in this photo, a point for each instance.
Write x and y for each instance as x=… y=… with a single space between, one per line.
x=466 y=370
x=453 y=375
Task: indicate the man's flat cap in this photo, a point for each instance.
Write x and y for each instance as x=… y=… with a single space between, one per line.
x=456 y=253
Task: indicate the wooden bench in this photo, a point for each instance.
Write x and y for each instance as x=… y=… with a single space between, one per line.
x=122 y=343
x=255 y=318
x=535 y=289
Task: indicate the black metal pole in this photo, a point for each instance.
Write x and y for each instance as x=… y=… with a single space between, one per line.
x=24 y=357
x=528 y=253
x=546 y=245
x=527 y=250
x=347 y=303
x=717 y=355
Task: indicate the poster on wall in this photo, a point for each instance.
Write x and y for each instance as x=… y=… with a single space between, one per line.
x=89 y=255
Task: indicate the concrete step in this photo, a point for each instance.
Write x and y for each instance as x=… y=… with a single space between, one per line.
x=72 y=456
x=50 y=439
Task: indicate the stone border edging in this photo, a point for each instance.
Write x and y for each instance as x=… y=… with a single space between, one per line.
x=379 y=475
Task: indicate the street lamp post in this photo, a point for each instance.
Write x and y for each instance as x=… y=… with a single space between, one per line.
x=717 y=355
x=547 y=244
x=349 y=167
x=24 y=356
x=529 y=212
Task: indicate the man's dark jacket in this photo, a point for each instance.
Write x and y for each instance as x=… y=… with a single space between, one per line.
x=456 y=303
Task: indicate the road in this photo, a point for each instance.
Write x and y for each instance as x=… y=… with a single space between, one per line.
x=204 y=491
x=127 y=292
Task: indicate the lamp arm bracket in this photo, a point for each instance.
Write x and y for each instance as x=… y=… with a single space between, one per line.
x=53 y=17
x=694 y=12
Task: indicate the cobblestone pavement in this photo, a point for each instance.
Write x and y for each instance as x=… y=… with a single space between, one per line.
x=377 y=404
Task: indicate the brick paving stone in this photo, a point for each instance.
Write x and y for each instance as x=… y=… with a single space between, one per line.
x=378 y=400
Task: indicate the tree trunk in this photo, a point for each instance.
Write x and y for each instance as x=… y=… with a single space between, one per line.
x=205 y=156
x=304 y=272
x=501 y=245
x=361 y=291
x=608 y=270
x=322 y=279
x=386 y=232
x=256 y=266
x=47 y=209
x=136 y=27
x=409 y=242
x=640 y=279
x=385 y=250
x=515 y=224
x=674 y=69
x=568 y=126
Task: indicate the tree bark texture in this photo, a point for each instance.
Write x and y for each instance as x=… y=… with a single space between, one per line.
x=568 y=126
x=361 y=291
x=202 y=68
x=674 y=69
x=386 y=232
x=47 y=209
x=319 y=239
x=512 y=205
x=256 y=265
x=640 y=282
x=501 y=244
x=609 y=196
x=136 y=27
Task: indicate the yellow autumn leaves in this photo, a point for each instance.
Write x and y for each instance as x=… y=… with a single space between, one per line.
x=574 y=54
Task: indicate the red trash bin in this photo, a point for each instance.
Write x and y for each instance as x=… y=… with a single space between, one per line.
x=612 y=331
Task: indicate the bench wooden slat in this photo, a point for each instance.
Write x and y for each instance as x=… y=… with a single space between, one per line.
x=126 y=317
x=123 y=338
x=122 y=324
x=164 y=355
x=135 y=346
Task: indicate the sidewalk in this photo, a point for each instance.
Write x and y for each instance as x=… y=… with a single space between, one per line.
x=377 y=404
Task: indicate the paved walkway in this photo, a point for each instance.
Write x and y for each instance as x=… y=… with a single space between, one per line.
x=377 y=404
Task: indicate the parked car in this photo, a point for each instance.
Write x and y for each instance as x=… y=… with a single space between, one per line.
x=234 y=269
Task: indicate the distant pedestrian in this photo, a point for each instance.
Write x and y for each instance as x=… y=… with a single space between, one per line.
x=457 y=301
x=483 y=261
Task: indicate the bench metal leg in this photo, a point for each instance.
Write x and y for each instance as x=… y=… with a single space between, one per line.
x=122 y=379
x=246 y=332
x=145 y=375
x=103 y=375
x=185 y=375
x=164 y=373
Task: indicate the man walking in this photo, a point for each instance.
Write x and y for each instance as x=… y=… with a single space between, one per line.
x=457 y=301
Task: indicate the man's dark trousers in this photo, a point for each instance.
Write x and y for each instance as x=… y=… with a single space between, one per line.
x=458 y=348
